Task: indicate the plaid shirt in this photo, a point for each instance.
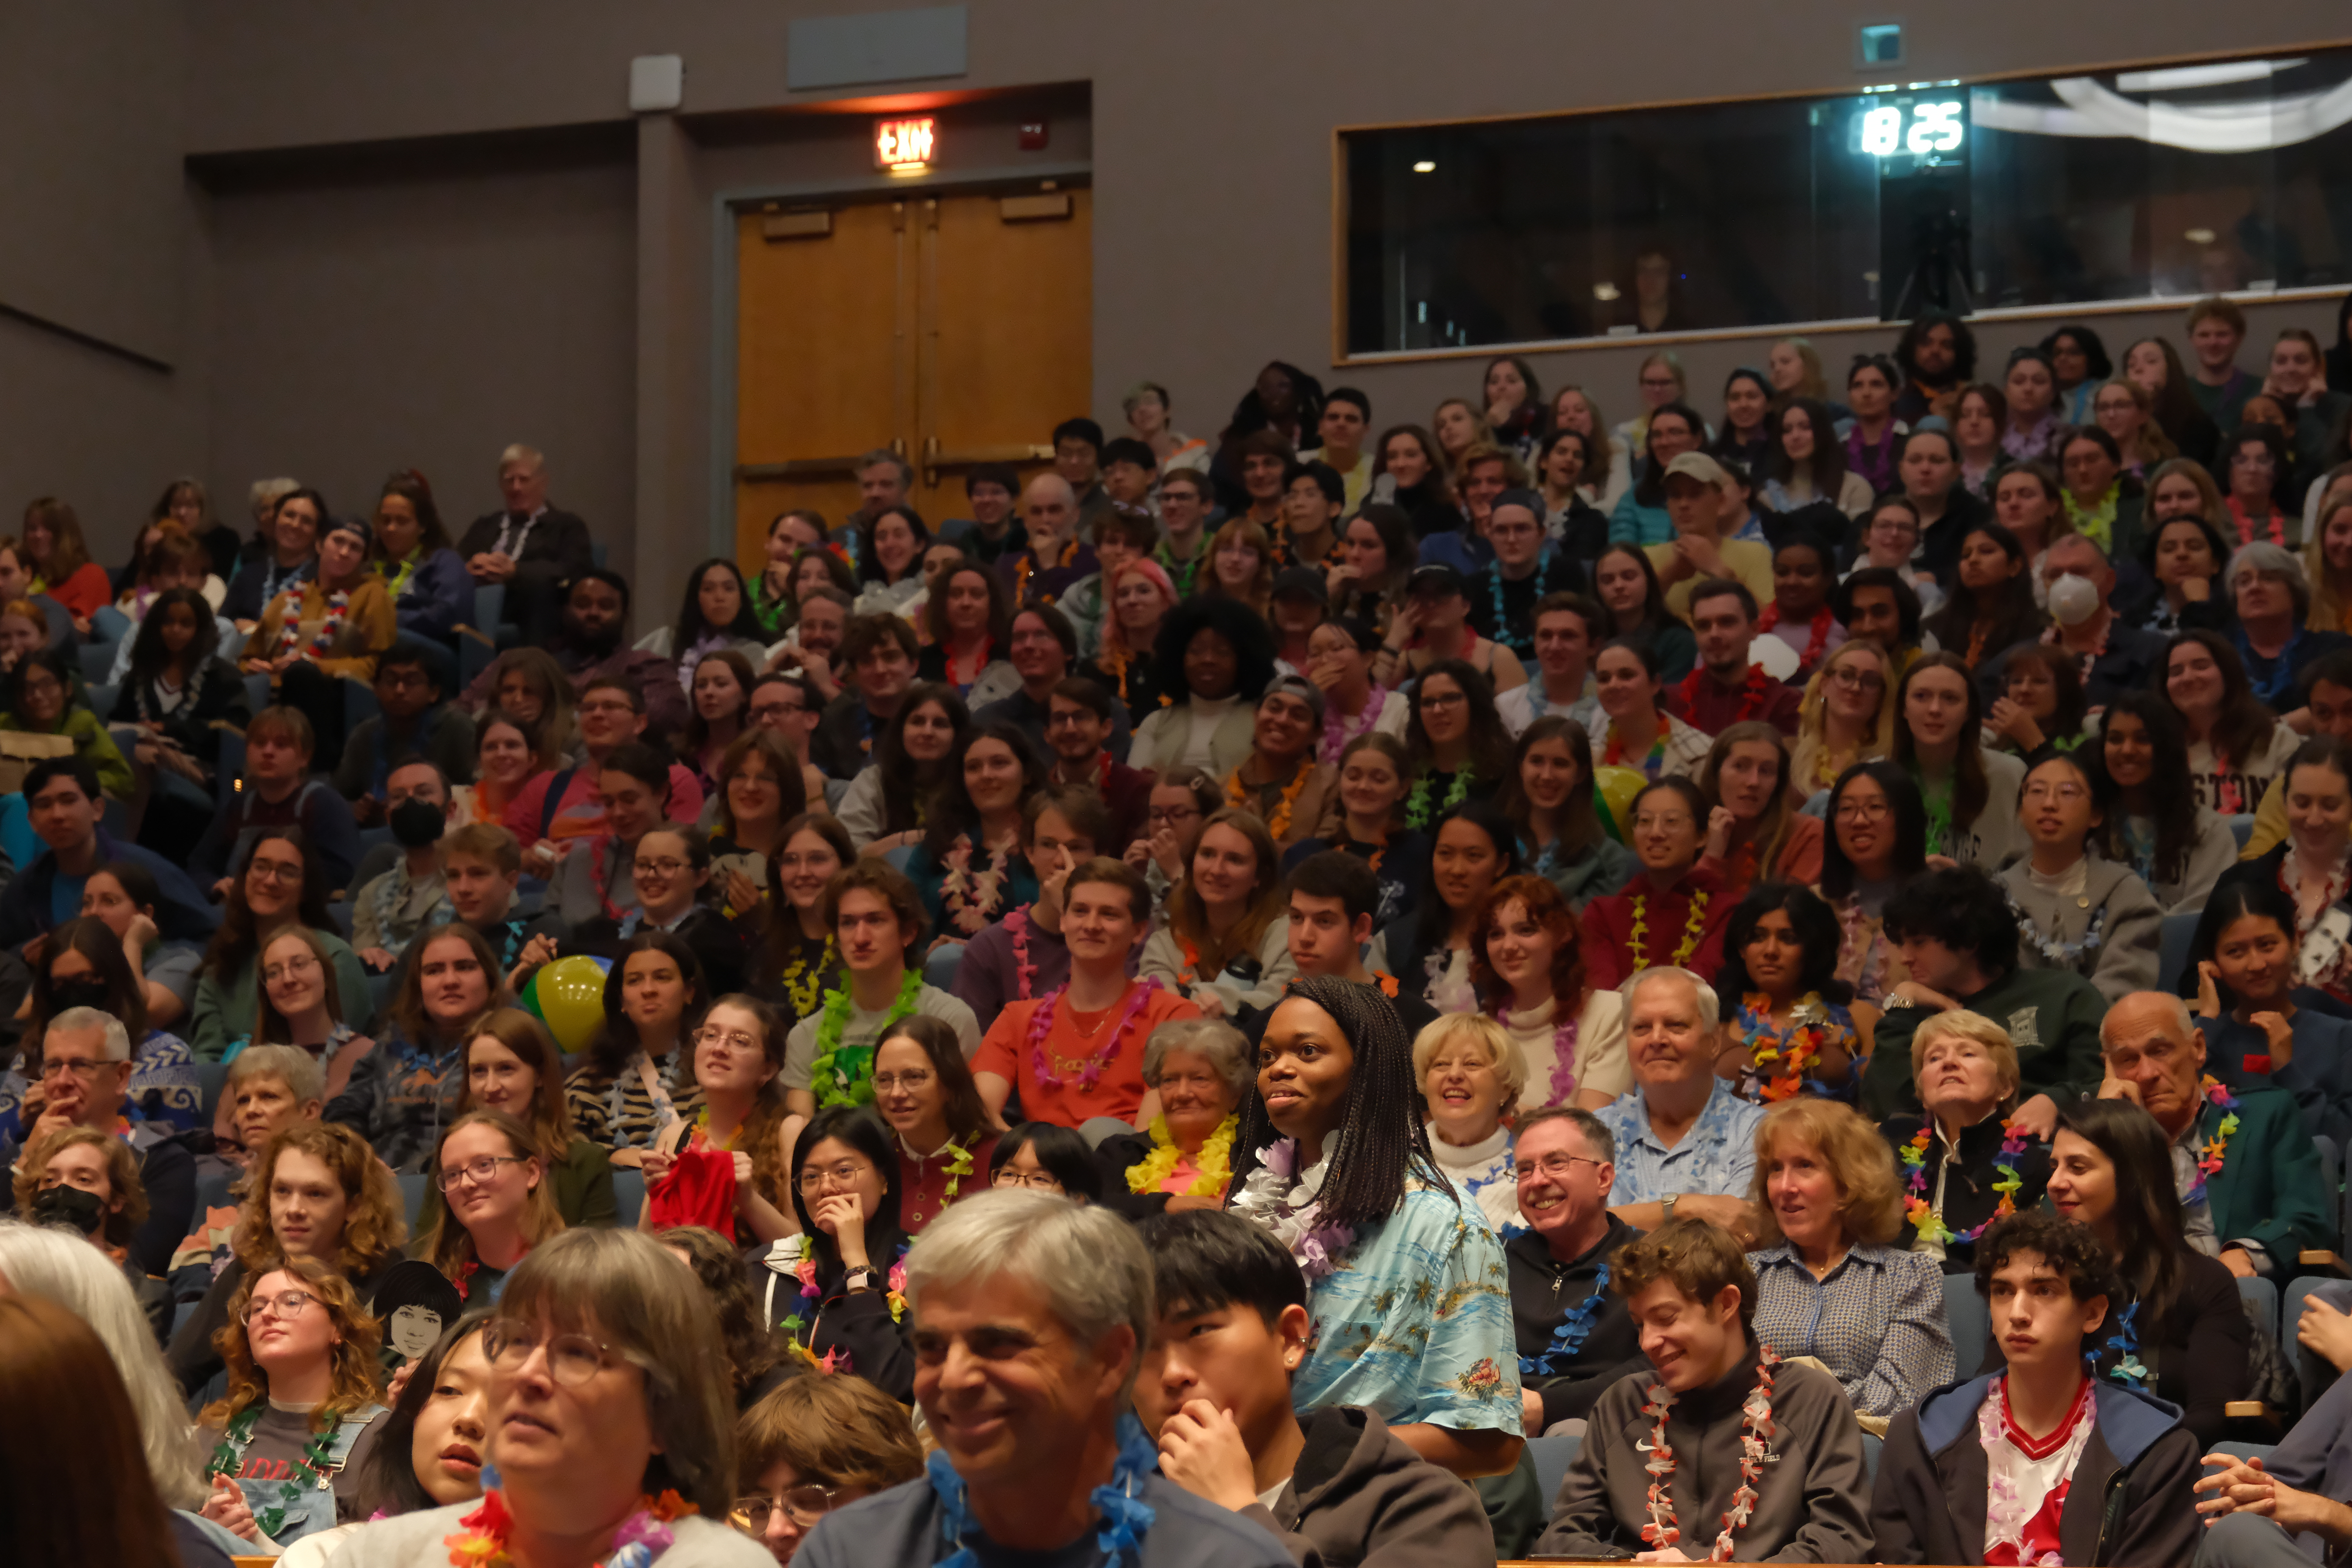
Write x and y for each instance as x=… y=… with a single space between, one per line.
x=1877 y=1321
x=1716 y=1155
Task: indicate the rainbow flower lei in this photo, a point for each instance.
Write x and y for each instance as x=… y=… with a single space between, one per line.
x=1780 y=1060
x=1755 y=1430
x=1929 y=1222
x=1041 y=1023
x=643 y=1536
x=2214 y=1150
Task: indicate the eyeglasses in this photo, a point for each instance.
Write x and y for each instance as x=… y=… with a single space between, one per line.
x=572 y=1359
x=1039 y=1180
x=667 y=866
x=1558 y=1165
x=848 y=1171
x=480 y=1172
x=1442 y=700
x=918 y=1079
x=803 y=1505
x=284 y=1304
x=1864 y=811
x=733 y=1039
x=300 y=963
x=1173 y=813
x=80 y=1067
x=286 y=873
x=2066 y=791
x=1857 y=679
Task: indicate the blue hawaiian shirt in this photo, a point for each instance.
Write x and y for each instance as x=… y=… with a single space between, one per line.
x=1415 y=1322
x=1716 y=1155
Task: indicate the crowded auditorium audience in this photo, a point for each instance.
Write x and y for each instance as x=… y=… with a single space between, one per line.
x=1768 y=987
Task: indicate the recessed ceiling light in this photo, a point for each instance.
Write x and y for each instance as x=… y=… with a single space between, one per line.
x=1424 y=167
x=2199 y=237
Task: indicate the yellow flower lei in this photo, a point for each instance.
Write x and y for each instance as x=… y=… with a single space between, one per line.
x=1694 y=933
x=1146 y=1174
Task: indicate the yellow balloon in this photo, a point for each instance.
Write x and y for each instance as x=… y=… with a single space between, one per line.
x=1618 y=786
x=572 y=999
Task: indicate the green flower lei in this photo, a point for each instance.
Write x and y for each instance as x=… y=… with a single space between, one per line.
x=1416 y=805
x=843 y=1075
x=311 y=1468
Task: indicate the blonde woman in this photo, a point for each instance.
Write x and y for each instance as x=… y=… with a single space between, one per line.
x=1962 y=1166
x=1848 y=717
x=1461 y=427
x=499 y=1204
x=1225 y=945
x=1608 y=461
x=1662 y=381
x=1828 y=1282
x=2124 y=410
x=1470 y=1073
x=1241 y=565
x=1794 y=367
x=2328 y=561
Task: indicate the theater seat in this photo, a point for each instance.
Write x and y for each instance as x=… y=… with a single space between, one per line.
x=1970 y=1320
x=628 y=1194
x=2261 y=1295
x=412 y=1196
x=1553 y=1453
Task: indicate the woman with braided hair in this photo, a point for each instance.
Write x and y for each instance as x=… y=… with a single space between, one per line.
x=1333 y=1160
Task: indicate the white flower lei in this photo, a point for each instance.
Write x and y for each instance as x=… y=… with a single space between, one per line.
x=1286 y=1207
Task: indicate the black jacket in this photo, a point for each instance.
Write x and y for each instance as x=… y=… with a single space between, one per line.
x=2129 y=1500
x=855 y=1323
x=1544 y=1290
x=221 y=699
x=556 y=550
x=1969 y=1199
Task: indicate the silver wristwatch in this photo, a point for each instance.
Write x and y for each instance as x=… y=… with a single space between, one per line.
x=1667 y=1203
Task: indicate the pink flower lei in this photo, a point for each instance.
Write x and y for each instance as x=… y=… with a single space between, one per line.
x=1041 y=1023
x=1337 y=730
x=970 y=898
x=1756 y=1432
x=1025 y=973
x=1563 y=1051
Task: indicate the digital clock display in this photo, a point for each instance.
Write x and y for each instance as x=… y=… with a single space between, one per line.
x=1922 y=129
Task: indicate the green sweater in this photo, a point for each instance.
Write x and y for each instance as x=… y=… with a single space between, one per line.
x=225 y=1011
x=93 y=743
x=2268 y=1187
x=2052 y=1016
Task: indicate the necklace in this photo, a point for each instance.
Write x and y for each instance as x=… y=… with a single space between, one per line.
x=1180 y=573
x=1755 y=694
x=2318 y=962
x=643 y=1536
x=804 y=996
x=979 y=663
x=314 y=1469
x=971 y=899
x=2214 y=1150
x=2275 y=522
x=1517 y=641
x=1938 y=802
x=1212 y=1166
x=843 y=1075
x=1573 y=1331
x=1090 y=1069
x=2062 y=954
x=1694 y=933
x=1278 y=821
x=1817 y=631
x=600 y=880
x=1125 y=1515
x=1024 y=973
x=1338 y=732
x=2009 y=1451
x=1416 y=805
x=1928 y=1220
x=1781 y=1061
x=2125 y=1343
x=1756 y=1433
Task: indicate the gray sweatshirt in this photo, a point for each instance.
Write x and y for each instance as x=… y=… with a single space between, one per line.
x=1361 y=1495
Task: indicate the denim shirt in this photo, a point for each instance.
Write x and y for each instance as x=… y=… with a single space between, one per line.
x=1716 y=1155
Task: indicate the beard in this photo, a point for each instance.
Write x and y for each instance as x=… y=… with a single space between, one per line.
x=596 y=646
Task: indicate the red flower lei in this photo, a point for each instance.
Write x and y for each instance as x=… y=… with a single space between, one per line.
x=979 y=663
x=600 y=880
x=1754 y=692
x=1818 y=631
x=2246 y=524
x=1041 y=1023
x=1756 y=1433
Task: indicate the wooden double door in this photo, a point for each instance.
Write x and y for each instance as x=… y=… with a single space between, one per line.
x=952 y=329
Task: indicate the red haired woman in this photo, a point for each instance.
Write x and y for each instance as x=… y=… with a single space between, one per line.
x=1526 y=960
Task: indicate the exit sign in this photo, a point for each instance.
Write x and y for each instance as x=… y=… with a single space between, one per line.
x=904 y=143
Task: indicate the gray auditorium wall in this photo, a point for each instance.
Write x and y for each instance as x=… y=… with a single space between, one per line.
x=1210 y=136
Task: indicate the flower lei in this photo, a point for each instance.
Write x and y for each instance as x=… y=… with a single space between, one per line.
x=843 y=1075
x=599 y=880
x=1614 y=754
x=1416 y=805
x=1024 y=973
x=958 y=1167
x=1573 y=1331
x=643 y=1536
x=2125 y=1341
x=1756 y=1432
x=1939 y=813
x=1518 y=642
x=2064 y=954
x=310 y=1471
x=1817 y=631
x=2247 y=525
x=1180 y=573
x=1564 y=1058
x=2214 y=1150
x=2006 y=1515
x=804 y=999
x=1928 y=1220
x=1278 y=821
x=1694 y=933
x=1780 y=1060
x=1288 y=1204
x=1090 y=1071
x=462 y=1281
x=813 y=1292
x=1755 y=694
x=1212 y=1166
x=979 y=663
x=970 y=897
x=1125 y=1515
x=1338 y=733
x=2290 y=879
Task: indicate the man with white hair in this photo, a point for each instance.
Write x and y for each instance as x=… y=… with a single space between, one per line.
x=2272 y=601
x=1031 y=1314
x=84 y=1081
x=1056 y=557
x=1685 y=1143
x=2251 y=1189
x=2115 y=658
x=526 y=545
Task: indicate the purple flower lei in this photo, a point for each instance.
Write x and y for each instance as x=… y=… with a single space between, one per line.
x=1041 y=1023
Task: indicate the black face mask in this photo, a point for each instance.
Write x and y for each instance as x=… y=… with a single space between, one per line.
x=416 y=823
x=69 y=1208
x=81 y=991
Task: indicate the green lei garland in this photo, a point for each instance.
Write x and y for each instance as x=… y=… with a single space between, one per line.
x=843 y=1075
x=1416 y=805
x=1939 y=812
x=310 y=1468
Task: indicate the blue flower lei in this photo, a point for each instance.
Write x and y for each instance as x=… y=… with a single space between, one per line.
x=2127 y=1369
x=1573 y=1331
x=1125 y=1515
x=1517 y=641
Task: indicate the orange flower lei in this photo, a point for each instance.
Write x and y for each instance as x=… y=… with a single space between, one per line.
x=1695 y=932
x=1277 y=821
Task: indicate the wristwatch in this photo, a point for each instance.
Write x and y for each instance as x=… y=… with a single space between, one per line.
x=1667 y=1203
x=861 y=1279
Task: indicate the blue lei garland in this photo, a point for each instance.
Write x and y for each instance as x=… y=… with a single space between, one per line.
x=2125 y=1342
x=1125 y=1516
x=1573 y=1331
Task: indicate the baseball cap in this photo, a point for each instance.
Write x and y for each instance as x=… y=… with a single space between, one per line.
x=1697 y=466
x=1435 y=581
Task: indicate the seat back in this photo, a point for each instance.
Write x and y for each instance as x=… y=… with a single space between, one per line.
x=1970 y=1320
x=2172 y=961
x=1553 y=1453
x=412 y=1196
x=2244 y=827
x=2262 y=1298
x=2331 y=1168
x=628 y=1194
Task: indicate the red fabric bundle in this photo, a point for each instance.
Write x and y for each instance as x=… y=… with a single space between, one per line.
x=698 y=1188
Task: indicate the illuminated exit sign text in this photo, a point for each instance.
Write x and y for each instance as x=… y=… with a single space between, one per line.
x=904 y=143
